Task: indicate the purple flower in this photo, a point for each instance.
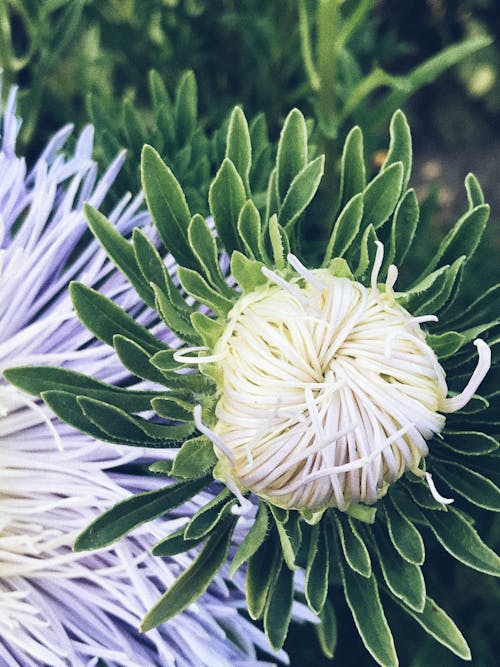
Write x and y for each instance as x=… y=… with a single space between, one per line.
x=58 y=607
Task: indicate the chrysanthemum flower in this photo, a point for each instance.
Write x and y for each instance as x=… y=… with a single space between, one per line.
x=323 y=397
x=58 y=607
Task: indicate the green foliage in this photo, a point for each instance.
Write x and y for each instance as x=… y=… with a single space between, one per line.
x=368 y=555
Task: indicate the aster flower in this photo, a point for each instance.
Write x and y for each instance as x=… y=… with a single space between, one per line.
x=58 y=607
x=322 y=398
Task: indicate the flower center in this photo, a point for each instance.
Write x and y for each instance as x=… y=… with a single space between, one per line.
x=329 y=392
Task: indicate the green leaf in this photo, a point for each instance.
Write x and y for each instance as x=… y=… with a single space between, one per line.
x=460 y=539
x=238 y=147
x=154 y=270
x=173 y=318
x=439 y=291
x=133 y=127
x=363 y=599
x=226 y=198
x=352 y=168
x=440 y=626
x=119 y=424
x=367 y=251
x=105 y=319
x=195 y=580
x=66 y=407
x=475 y=196
x=345 y=229
x=208 y=516
x=317 y=570
x=205 y=248
x=172 y=407
x=462 y=239
x=279 y=243
x=278 y=612
x=291 y=158
x=247 y=272
x=37 y=379
x=262 y=571
x=250 y=230
x=400 y=149
x=446 y=344
x=120 y=252
x=404 y=579
x=272 y=200
x=200 y=290
x=207 y=328
x=135 y=511
x=470 y=443
x=381 y=195
x=168 y=207
x=253 y=539
x=174 y=544
x=301 y=191
x=426 y=73
x=136 y=359
x=403 y=228
x=474 y=487
x=186 y=108
x=353 y=546
x=195 y=458
x=405 y=537
x=289 y=546
x=327 y=630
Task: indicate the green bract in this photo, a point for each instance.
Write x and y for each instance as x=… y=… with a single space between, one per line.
x=371 y=552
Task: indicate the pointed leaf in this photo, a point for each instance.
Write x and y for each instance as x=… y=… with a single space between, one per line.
x=186 y=108
x=278 y=612
x=136 y=359
x=381 y=195
x=404 y=579
x=167 y=205
x=120 y=251
x=37 y=379
x=262 y=571
x=470 y=443
x=363 y=599
x=195 y=580
x=327 y=630
x=301 y=191
x=208 y=516
x=404 y=536
x=205 y=248
x=195 y=458
x=463 y=238
x=200 y=290
x=135 y=511
x=353 y=546
x=239 y=149
x=105 y=319
x=440 y=626
x=174 y=544
x=352 y=168
x=345 y=229
x=227 y=197
x=292 y=151
x=474 y=487
x=318 y=566
x=250 y=230
x=253 y=539
x=475 y=195
x=460 y=539
x=403 y=228
x=400 y=149
x=247 y=272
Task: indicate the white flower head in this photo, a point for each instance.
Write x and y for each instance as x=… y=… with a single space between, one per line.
x=328 y=390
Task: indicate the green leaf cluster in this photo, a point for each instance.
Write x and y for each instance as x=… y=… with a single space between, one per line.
x=369 y=555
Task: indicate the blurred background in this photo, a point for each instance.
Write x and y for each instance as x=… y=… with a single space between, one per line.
x=341 y=63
